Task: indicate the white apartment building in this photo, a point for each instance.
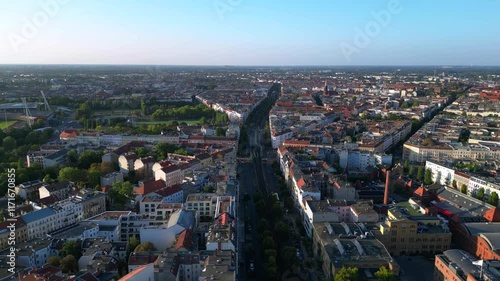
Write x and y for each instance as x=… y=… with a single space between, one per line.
x=172 y=175
x=277 y=139
x=204 y=203
x=440 y=174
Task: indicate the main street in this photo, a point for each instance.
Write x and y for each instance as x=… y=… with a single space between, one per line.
x=252 y=181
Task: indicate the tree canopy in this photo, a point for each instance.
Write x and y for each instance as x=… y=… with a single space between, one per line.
x=493 y=200
x=121 y=192
x=145 y=247
x=384 y=274
x=72 y=174
x=347 y=274
x=480 y=193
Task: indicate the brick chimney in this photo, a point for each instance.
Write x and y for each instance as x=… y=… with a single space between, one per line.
x=387 y=183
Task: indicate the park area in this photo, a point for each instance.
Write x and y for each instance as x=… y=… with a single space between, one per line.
x=6 y=124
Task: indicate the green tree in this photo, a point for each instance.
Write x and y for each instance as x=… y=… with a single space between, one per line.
x=133 y=242
x=93 y=178
x=142 y=152
x=420 y=173
x=71 y=248
x=428 y=177
x=143 y=107
x=411 y=171
x=72 y=174
x=69 y=264
x=384 y=274
x=493 y=200
x=9 y=143
x=145 y=247
x=120 y=192
x=463 y=189
x=89 y=157
x=72 y=157
x=54 y=261
x=282 y=231
x=406 y=165
x=268 y=243
x=480 y=193
x=208 y=189
x=276 y=212
x=289 y=203
x=163 y=148
x=454 y=184
x=290 y=256
x=347 y=274
x=220 y=132
x=181 y=151
x=48 y=179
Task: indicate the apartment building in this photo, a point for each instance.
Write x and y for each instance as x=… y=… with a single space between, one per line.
x=151 y=201
x=126 y=162
x=459 y=265
x=404 y=234
x=203 y=203
x=317 y=211
x=55 y=159
x=20 y=231
x=61 y=190
x=144 y=167
x=440 y=173
x=110 y=178
x=172 y=175
x=340 y=245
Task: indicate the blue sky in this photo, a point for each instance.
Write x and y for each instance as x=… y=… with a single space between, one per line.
x=250 y=32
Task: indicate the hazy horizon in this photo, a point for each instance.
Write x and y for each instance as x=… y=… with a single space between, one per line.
x=250 y=33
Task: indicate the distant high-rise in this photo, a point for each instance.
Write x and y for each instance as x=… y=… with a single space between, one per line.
x=325 y=90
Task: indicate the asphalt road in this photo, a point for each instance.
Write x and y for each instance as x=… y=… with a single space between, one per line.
x=415 y=268
x=248 y=185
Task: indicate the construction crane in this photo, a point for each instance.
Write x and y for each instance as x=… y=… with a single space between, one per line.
x=47 y=106
x=27 y=111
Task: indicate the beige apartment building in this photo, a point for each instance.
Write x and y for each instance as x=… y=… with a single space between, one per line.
x=403 y=234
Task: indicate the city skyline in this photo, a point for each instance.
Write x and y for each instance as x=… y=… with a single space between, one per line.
x=248 y=33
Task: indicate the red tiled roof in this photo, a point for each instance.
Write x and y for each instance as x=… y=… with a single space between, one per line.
x=184 y=240
x=130 y=156
x=19 y=222
x=150 y=186
x=170 y=169
x=51 y=199
x=420 y=191
x=301 y=183
x=224 y=219
x=462 y=175
x=167 y=191
x=148 y=159
x=68 y=134
x=106 y=188
x=296 y=142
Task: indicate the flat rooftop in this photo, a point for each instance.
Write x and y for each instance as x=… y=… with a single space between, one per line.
x=459 y=203
x=114 y=215
x=325 y=206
